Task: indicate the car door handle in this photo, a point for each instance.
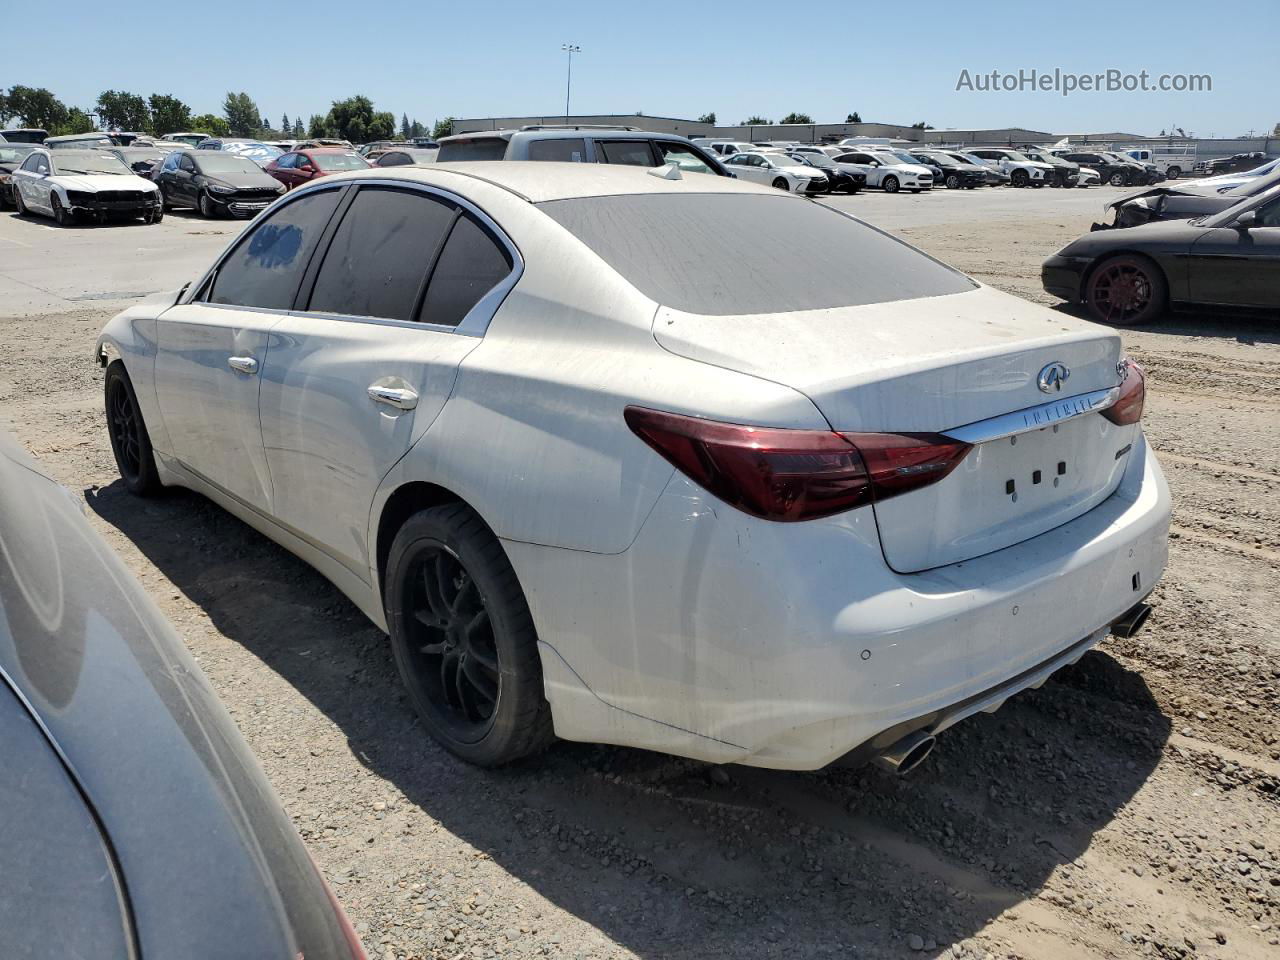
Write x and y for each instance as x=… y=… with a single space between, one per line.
x=402 y=398
x=246 y=365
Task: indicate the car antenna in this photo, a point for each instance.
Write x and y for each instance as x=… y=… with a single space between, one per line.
x=668 y=171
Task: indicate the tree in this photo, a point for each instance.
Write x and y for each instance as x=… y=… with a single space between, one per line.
x=168 y=114
x=405 y=130
x=285 y=125
x=796 y=118
x=316 y=127
x=299 y=131
x=119 y=110
x=708 y=117
x=417 y=128
x=4 y=108
x=211 y=124
x=443 y=128
x=354 y=119
x=755 y=122
x=242 y=114
x=78 y=121
x=854 y=117
x=922 y=126
x=35 y=107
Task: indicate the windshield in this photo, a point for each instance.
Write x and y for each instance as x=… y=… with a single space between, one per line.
x=1017 y=157
x=1255 y=186
x=88 y=163
x=216 y=163
x=339 y=161
x=905 y=157
x=253 y=150
x=718 y=254
x=818 y=160
x=14 y=153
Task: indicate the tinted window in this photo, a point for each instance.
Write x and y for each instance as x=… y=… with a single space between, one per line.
x=633 y=152
x=380 y=254
x=394 y=160
x=264 y=269
x=287 y=162
x=483 y=148
x=704 y=253
x=471 y=264
x=685 y=158
x=187 y=163
x=573 y=149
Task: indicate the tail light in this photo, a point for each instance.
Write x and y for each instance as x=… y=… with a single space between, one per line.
x=1133 y=393
x=790 y=475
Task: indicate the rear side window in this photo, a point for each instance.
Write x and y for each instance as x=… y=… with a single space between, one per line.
x=636 y=153
x=571 y=150
x=482 y=148
x=471 y=264
x=381 y=254
x=264 y=270
x=682 y=156
x=720 y=254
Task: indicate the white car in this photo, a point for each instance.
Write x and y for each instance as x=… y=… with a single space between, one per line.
x=69 y=185
x=887 y=172
x=1021 y=169
x=777 y=170
x=725 y=148
x=721 y=483
x=1229 y=181
x=1088 y=177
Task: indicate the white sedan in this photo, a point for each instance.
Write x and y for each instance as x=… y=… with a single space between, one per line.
x=684 y=464
x=777 y=170
x=889 y=172
x=70 y=184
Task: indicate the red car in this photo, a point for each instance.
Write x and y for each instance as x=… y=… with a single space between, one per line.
x=295 y=169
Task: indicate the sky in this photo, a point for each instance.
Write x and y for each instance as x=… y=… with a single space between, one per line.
x=892 y=61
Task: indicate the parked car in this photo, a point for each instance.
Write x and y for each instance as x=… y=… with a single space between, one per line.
x=776 y=169
x=254 y=150
x=840 y=178
x=216 y=183
x=995 y=176
x=1088 y=177
x=1233 y=164
x=316 y=143
x=912 y=156
x=1188 y=199
x=11 y=157
x=191 y=139
x=407 y=155
x=1064 y=172
x=69 y=185
x=1130 y=277
x=141 y=160
x=952 y=171
x=1110 y=170
x=1173 y=159
x=580 y=144
x=887 y=172
x=295 y=169
x=79 y=141
x=137 y=823
x=379 y=147
x=1228 y=181
x=725 y=148
x=1146 y=173
x=1022 y=170
x=24 y=135
x=612 y=482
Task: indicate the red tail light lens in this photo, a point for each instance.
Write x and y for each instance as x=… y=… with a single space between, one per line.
x=1133 y=393
x=790 y=475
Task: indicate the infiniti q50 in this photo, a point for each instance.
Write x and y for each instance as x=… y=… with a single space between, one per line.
x=687 y=464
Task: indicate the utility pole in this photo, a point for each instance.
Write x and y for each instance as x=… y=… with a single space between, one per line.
x=570 y=49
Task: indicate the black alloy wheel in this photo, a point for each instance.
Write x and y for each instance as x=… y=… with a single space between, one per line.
x=207 y=208
x=463 y=638
x=59 y=211
x=1019 y=178
x=780 y=183
x=130 y=442
x=1126 y=290
x=952 y=181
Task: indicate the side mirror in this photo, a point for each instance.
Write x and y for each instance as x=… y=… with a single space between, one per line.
x=307 y=168
x=1247 y=220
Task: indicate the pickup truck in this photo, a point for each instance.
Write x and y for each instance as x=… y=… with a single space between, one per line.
x=1172 y=161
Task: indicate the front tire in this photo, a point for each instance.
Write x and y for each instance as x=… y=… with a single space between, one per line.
x=1117 y=179
x=952 y=181
x=207 y=209
x=463 y=638
x=890 y=184
x=1126 y=290
x=18 y=205
x=781 y=184
x=1019 y=178
x=59 y=211
x=130 y=441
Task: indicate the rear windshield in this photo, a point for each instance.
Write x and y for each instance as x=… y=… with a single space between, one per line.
x=339 y=161
x=485 y=148
x=719 y=254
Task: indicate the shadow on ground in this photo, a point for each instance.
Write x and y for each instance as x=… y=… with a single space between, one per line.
x=667 y=857
x=1250 y=328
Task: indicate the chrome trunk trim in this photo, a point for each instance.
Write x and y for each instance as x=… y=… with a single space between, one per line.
x=1034 y=418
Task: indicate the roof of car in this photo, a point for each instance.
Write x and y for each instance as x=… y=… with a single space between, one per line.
x=540 y=181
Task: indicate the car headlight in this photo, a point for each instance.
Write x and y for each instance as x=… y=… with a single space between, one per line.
x=215 y=188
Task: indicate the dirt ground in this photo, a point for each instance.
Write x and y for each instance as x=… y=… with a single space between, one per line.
x=1130 y=807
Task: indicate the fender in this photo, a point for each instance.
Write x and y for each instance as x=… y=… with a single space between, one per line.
x=131 y=337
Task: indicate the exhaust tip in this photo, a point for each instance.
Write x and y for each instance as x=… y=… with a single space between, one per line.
x=1129 y=623
x=907 y=754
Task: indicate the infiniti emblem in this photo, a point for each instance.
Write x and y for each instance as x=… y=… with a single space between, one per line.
x=1053 y=376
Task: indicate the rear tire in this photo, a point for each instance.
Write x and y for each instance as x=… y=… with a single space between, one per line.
x=1117 y=179
x=1173 y=173
x=463 y=638
x=1126 y=290
x=890 y=184
x=130 y=441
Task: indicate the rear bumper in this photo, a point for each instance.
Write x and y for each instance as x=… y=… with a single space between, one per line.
x=1063 y=276
x=731 y=639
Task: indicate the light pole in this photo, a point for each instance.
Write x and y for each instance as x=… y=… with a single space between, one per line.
x=570 y=49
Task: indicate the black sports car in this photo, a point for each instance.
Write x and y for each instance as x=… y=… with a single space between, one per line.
x=952 y=171
x=1182 y=202
x=134 y=821
x=840 y=180
x=1128 y=277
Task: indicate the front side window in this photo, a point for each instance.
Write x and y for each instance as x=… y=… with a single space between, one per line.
x=187 y=164
x=264 y=269
x=570 y=149
x=634 y=153
x=287 y=162
x=471 y=264
x=34 y=163
x=381 y=254
x=683 y=157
